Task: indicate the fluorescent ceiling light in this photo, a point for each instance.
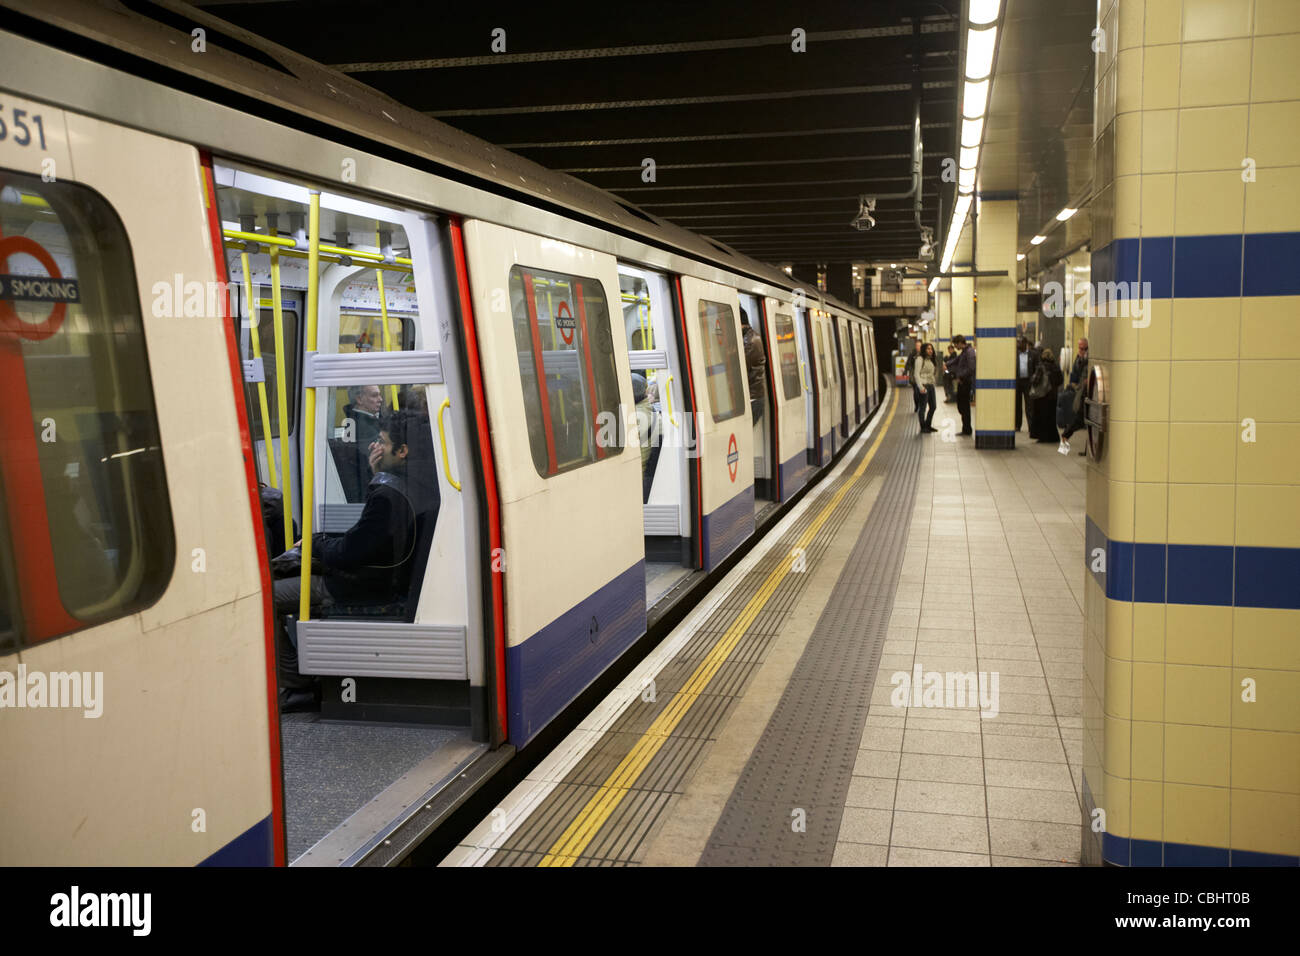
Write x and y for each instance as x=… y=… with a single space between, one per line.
x=1065 y=213
x=984 y=11
x=1037 y=240
x=970 y=157
x=966 y=179
x=972 y=130
x=974 y=98
x=934 y=284
x=980 y=45
x=1020 y=257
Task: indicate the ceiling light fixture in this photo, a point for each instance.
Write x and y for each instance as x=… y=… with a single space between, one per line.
x=1065 y=214
x=974 y=98
x=980 y=45
x=984 y=11
x=934 y=284
x=1020 y=257
x=1037 y=240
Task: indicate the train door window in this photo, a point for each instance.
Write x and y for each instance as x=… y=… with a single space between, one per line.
x=822 y=364
x=721 y=360
x=566 y=360
x=788 y=356
x=92 y=536
x=270 y=369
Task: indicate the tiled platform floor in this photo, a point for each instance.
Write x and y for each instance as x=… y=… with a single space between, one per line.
x=992 y=581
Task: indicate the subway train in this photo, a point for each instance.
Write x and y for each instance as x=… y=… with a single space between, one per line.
x=222 y=271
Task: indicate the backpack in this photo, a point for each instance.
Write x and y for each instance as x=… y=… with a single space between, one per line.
x=1041 y=383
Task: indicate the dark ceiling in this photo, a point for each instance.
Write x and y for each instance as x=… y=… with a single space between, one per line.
x=754 y=145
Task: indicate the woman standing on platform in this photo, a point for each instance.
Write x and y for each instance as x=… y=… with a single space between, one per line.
x=924 y=374
x=1042 y=393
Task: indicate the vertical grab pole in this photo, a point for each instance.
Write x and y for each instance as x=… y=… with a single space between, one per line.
x=281 y=397
x=251 y=299
x=383 y=315
x=309 y=407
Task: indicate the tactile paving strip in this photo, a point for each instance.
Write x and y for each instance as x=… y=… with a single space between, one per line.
x=620 y=840
x=786 y=807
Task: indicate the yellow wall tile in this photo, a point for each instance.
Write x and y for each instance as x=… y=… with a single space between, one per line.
x=1273 y=458
x=1274 y=132
x=1146 y=803
x=1123 y=383
x=1273 y=68
x=1196 y=815
x=1129 y=24
x=1215 y=73
x=1276 y=16
x=1158 y=204
x=1119 y=630
x=1207 y=204
x=1215 y=19
x=1195 y=694
x=1197 y=755
x=1273 y=200
x=1266 y=822
x=1148 y=689
x=1262 y=760
x=1149 y=641
x=1268 y=389
x=1128 y=81
x=1159 y=141
x=1274 y=707
x=1200 y=514
x=1268 y=516
x=1119 y=461
x=1119 y=520
x=1202 y=454
x=1203 y=392
x=1148 y=758
x=1153 y=391
x=1199 y=634
x=1164 y=19
x=1268 y=327
x=1116 y=754
x=1266 y=637
x=1128 y=207
x=1128 y=144
x=1154 y=341
x=1151 y=464
x=1116 y=804
x=1160 y=77
x=1212 y=137
x=1119 y=675
x=1208 y=329
x=1098 y=488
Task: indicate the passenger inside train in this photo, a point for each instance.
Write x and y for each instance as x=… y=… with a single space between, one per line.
x=649 y=433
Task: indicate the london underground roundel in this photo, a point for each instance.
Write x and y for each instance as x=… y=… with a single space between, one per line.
x=564 y=322
x=733 y=457
x=52 y=289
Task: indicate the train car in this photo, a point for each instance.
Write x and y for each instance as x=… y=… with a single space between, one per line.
x=250 y=302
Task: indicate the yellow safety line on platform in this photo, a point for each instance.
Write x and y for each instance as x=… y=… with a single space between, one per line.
x=575 y=839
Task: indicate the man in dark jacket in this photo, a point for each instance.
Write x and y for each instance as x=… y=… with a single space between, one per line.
x=962 y=366
x=370 y=563
x=918 y=396
x=1026 y=362
x=1078 y=382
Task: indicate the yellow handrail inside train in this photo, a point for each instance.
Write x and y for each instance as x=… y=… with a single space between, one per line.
x=309 y=407
x=281 y=397
x=254 y=339
x=383 y=317
x=668 y=389
x=442 y=433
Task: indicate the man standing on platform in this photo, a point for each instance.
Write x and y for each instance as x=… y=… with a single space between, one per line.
x=1026 y=361
x=918 y=396
x=962 y=366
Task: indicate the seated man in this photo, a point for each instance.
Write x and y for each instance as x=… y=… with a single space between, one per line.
x=369 y=563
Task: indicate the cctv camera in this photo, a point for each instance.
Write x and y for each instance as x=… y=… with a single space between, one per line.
x=927 y=244
x=864 y=220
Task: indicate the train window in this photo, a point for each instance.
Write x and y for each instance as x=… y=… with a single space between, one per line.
x=92 y=537
x=566 y=360
x=789 y=357
x=821 y=355
x=635 y=293
x=721 y=360
x=266 y=339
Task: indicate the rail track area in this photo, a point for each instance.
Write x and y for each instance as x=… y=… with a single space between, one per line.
x=734 y=741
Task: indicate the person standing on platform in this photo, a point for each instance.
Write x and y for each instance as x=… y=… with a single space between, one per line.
x=1043 y=390
x=1073 y=421
x=949 y=390
x=1026 y=361
x=918 y=397
x=925 y=372
x=962 y=366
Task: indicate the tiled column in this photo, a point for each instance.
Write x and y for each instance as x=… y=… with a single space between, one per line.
x=1192 y=660
x=963 y=307
x=995 y=325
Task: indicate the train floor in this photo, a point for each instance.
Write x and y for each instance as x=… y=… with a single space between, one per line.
x=776 y=724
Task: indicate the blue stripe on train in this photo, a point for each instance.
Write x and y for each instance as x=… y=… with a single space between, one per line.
x=726 y=527
x=551 y=668
x=254 y=847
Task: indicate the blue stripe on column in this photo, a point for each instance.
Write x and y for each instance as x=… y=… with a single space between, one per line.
x=1204 y=574
x=995 y=383
x=997 y=332
x=1187 y=267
